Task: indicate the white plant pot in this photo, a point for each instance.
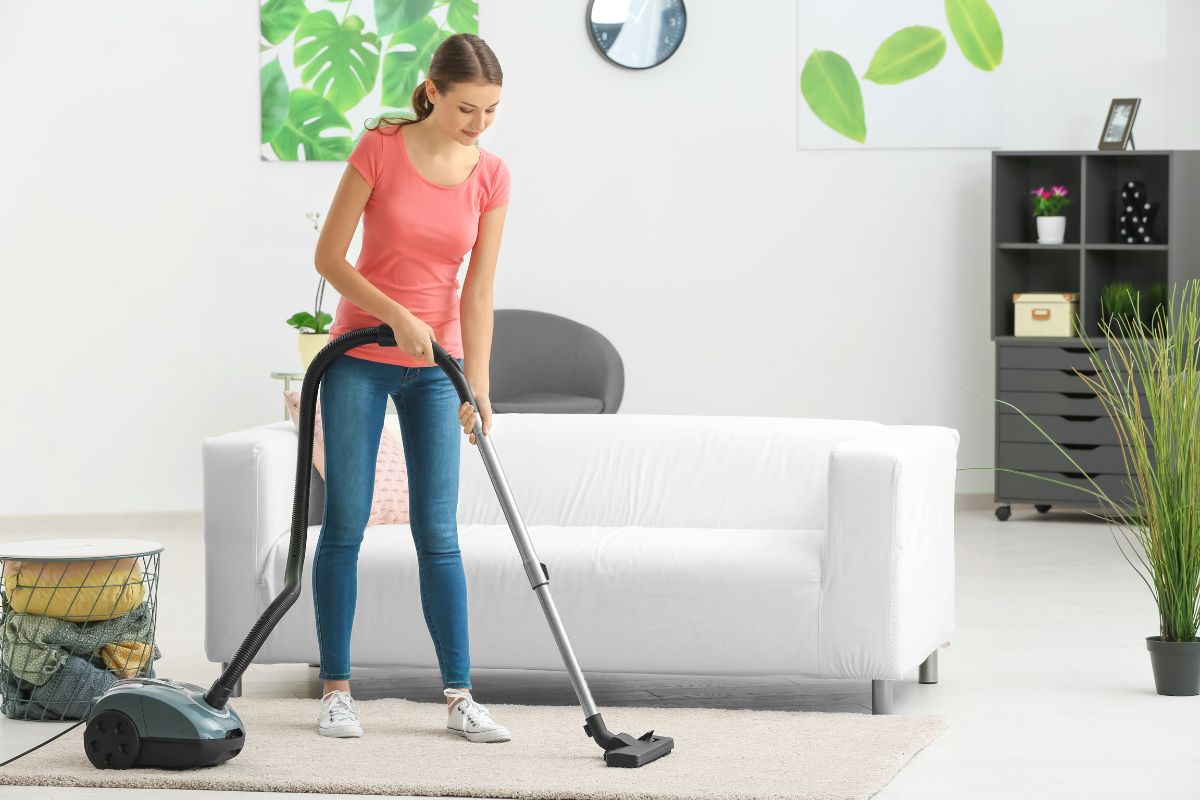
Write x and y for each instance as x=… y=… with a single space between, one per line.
x=1051 y=229
x=310 y=345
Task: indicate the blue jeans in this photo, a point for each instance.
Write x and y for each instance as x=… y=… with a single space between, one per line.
x=353 y=394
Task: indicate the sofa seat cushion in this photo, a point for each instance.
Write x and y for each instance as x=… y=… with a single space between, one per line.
x=739 y=601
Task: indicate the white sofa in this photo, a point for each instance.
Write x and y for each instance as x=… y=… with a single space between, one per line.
x=717 y=545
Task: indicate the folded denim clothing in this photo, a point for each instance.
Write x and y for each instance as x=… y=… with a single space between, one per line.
x=67 y=695
x=34 y=647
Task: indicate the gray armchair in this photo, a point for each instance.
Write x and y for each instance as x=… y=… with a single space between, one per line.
x=544 y=363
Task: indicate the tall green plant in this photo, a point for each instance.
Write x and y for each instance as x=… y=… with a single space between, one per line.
x=1162 y=455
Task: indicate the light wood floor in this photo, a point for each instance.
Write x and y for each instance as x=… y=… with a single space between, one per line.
x=1046 y=684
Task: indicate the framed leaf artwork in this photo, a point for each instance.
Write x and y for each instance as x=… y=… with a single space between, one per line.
x=887 y=74
x=327 y=66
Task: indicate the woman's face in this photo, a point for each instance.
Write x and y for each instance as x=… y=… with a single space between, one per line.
x=465 y=111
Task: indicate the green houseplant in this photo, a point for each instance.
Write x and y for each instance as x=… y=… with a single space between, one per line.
x=1160 y=519
x=1119 y=300
x=313 y=327
x=1156 y=297
x=1048 y=209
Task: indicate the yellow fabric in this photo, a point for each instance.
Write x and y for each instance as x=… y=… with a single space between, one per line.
x=79 y=591
x=126 y=658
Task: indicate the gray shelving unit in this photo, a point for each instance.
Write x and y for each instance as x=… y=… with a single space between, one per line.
x=1037 y=374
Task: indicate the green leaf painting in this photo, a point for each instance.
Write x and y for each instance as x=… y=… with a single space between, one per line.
x=832 y=92
x=394 y=15
x=464 y=15
x=274 y=100
x=907 y=53
x=340 y=59
x=328 y=65
x=310 y=117
x=977 y=32
x=835 y=96
x=278 y=18
x=408 y=53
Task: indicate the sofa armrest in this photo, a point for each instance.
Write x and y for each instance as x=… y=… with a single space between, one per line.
x=887 y=569
x=249 y=487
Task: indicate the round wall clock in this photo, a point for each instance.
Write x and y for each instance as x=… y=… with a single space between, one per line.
x=636 y=34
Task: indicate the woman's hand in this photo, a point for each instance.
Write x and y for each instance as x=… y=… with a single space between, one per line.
x=412 y=335
x=466 y=415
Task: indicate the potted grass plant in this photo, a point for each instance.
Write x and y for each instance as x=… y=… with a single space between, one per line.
x=1156 y=365
x=1119 y=300
x=314 y=326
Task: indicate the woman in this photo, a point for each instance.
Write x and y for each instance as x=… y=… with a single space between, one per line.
x=427 y=195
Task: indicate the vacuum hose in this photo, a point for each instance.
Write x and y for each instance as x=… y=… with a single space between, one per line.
x=218 y=694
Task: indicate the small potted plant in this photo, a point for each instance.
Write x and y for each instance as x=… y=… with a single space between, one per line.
x=1047 y=207
x=1119 y=300
x=313 y=327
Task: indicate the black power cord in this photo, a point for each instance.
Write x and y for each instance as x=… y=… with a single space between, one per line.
x=48 y=741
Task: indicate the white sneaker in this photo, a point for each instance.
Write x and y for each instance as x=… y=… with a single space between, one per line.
x=339 y=715
x=470 y=719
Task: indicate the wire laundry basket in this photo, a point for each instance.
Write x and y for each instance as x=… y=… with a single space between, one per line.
x=76 y=615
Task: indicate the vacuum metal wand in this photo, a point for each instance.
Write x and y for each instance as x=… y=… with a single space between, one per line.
x=620 y=749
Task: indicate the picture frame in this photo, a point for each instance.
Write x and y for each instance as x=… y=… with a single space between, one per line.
x=1117 y=133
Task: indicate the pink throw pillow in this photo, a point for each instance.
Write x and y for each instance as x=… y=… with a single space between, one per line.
x=389 y=504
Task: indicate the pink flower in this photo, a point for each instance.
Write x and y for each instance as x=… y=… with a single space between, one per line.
x=1059 y=191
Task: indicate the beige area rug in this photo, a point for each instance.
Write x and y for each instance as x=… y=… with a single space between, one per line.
x=406 y=750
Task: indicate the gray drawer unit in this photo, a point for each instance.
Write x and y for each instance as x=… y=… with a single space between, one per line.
x=1037 y=373
x=1039 y=378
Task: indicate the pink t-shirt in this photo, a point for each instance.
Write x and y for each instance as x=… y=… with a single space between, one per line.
x=415 y=236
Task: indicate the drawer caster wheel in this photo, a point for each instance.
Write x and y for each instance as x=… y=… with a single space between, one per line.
x=1003 y=513
x=1043 y=508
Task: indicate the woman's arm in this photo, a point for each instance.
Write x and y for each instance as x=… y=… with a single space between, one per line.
x=475 y=305
x=330 y=258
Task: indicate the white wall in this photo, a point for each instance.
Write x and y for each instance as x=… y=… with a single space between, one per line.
x=150 y=259
x=1183 y=75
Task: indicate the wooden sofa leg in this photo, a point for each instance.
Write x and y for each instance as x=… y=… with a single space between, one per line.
x=928 y=672
x=237 y=689
x=881 y=697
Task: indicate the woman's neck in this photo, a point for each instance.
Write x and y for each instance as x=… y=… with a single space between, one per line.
x=437 y=145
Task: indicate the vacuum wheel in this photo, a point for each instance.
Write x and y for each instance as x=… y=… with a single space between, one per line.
x=111 y=740
x=1003 y=513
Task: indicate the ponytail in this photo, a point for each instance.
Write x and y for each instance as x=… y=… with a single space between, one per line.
x=461 y=58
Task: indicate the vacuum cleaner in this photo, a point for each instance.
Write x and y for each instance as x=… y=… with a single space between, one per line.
x=154 y=722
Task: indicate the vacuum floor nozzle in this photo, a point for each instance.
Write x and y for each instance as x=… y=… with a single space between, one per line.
x=636 y=752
